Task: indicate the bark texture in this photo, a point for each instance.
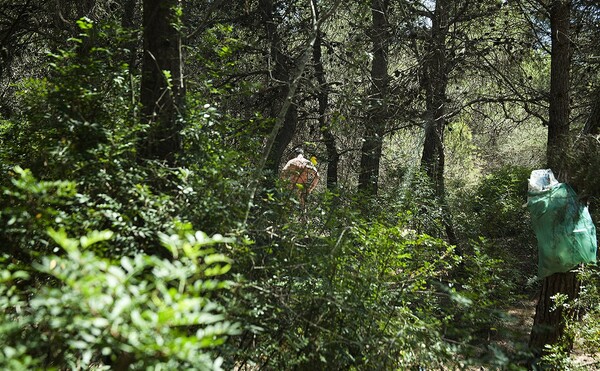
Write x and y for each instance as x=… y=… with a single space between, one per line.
x=548 y=326
x=558 y=119
x=333 y=156
x=548 y=323
x=162 y=86
x=368 y=179
x=435 y=82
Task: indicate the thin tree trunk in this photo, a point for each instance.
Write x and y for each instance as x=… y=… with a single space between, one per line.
x=548 y=324
x=558 y=119
x=295 y=81
x=368 y=179
x=435 y=81
x=333 y=156
x=592 y=125
x=280 y=66
x=162 y=86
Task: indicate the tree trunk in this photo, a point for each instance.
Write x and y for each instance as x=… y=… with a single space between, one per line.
x=548 y=325
x=294 y=82
x=558 y=120
x=333 y=156
x=162 y=86
x=280 y=65
x=592 y=124
x=368 y=179
x=435 y=81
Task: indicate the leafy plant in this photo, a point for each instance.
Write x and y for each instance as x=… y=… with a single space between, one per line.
x=361 y=296
x=494 y=210
x=137 y=312
x=582 y=330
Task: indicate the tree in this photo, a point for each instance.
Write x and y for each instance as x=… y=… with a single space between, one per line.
x=281 y=65
x=162 y=85
x=323 y=92
x=585 y=34
x=435 y=81
x=435 y=74
x=378 y=113
x=28 y=29
x=464 y=51
x=548 y=326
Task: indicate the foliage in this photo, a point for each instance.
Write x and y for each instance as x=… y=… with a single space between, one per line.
x=76 y=113
x=132 y=211
x=582 y=319
x=213 y=186
x=488 y=285
x=345 y=283
x=362 y=296
x=583 y=159
x=412 y=202
x=143 y=312
x=123 y=300
x=358 y=292
x=498 y=204
x=495 y=210
x=78 y=125
x=30 y=207
x=111 y=187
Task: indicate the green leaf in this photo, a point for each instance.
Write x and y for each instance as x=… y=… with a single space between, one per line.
x=85 y=24
x=60 y=237
x=95 y=237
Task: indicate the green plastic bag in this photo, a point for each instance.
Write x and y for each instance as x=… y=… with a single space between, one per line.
x=564 y=229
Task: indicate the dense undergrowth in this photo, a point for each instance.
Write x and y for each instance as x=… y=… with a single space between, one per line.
x=104 y=265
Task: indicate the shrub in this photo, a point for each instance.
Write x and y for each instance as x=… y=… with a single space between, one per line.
x=140 y=312
x=497 y=205
x=582 y=318
x=495 y=211
x=335 y=295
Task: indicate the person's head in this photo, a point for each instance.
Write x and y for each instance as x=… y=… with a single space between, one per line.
x=298 y=151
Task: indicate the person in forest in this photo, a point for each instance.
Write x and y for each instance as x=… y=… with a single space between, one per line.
x=301 y=175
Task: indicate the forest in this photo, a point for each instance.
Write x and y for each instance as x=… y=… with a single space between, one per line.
x=295 y=184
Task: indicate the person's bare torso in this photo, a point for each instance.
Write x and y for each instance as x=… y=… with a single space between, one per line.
x=300 y=172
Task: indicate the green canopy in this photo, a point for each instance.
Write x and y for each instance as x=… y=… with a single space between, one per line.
x=564 y=229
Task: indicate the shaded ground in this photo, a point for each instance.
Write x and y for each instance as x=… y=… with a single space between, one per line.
x=515 y=336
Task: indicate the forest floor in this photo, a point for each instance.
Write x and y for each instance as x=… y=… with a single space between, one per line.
x=518 y=328
x=512 y=335
x=522 y=314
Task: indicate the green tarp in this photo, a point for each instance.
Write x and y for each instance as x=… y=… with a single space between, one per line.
x=564 y=229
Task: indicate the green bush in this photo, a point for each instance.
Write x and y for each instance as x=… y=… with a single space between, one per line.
x=131 y=210
x=332 y=287
x=140 y=312
x=331 y=295
x=80 y=118
x=80 y=125
x=77 y=128
x=414 y=204
x=132 y=296
x=578 y=347
x=496 y=205
x=494 y=210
